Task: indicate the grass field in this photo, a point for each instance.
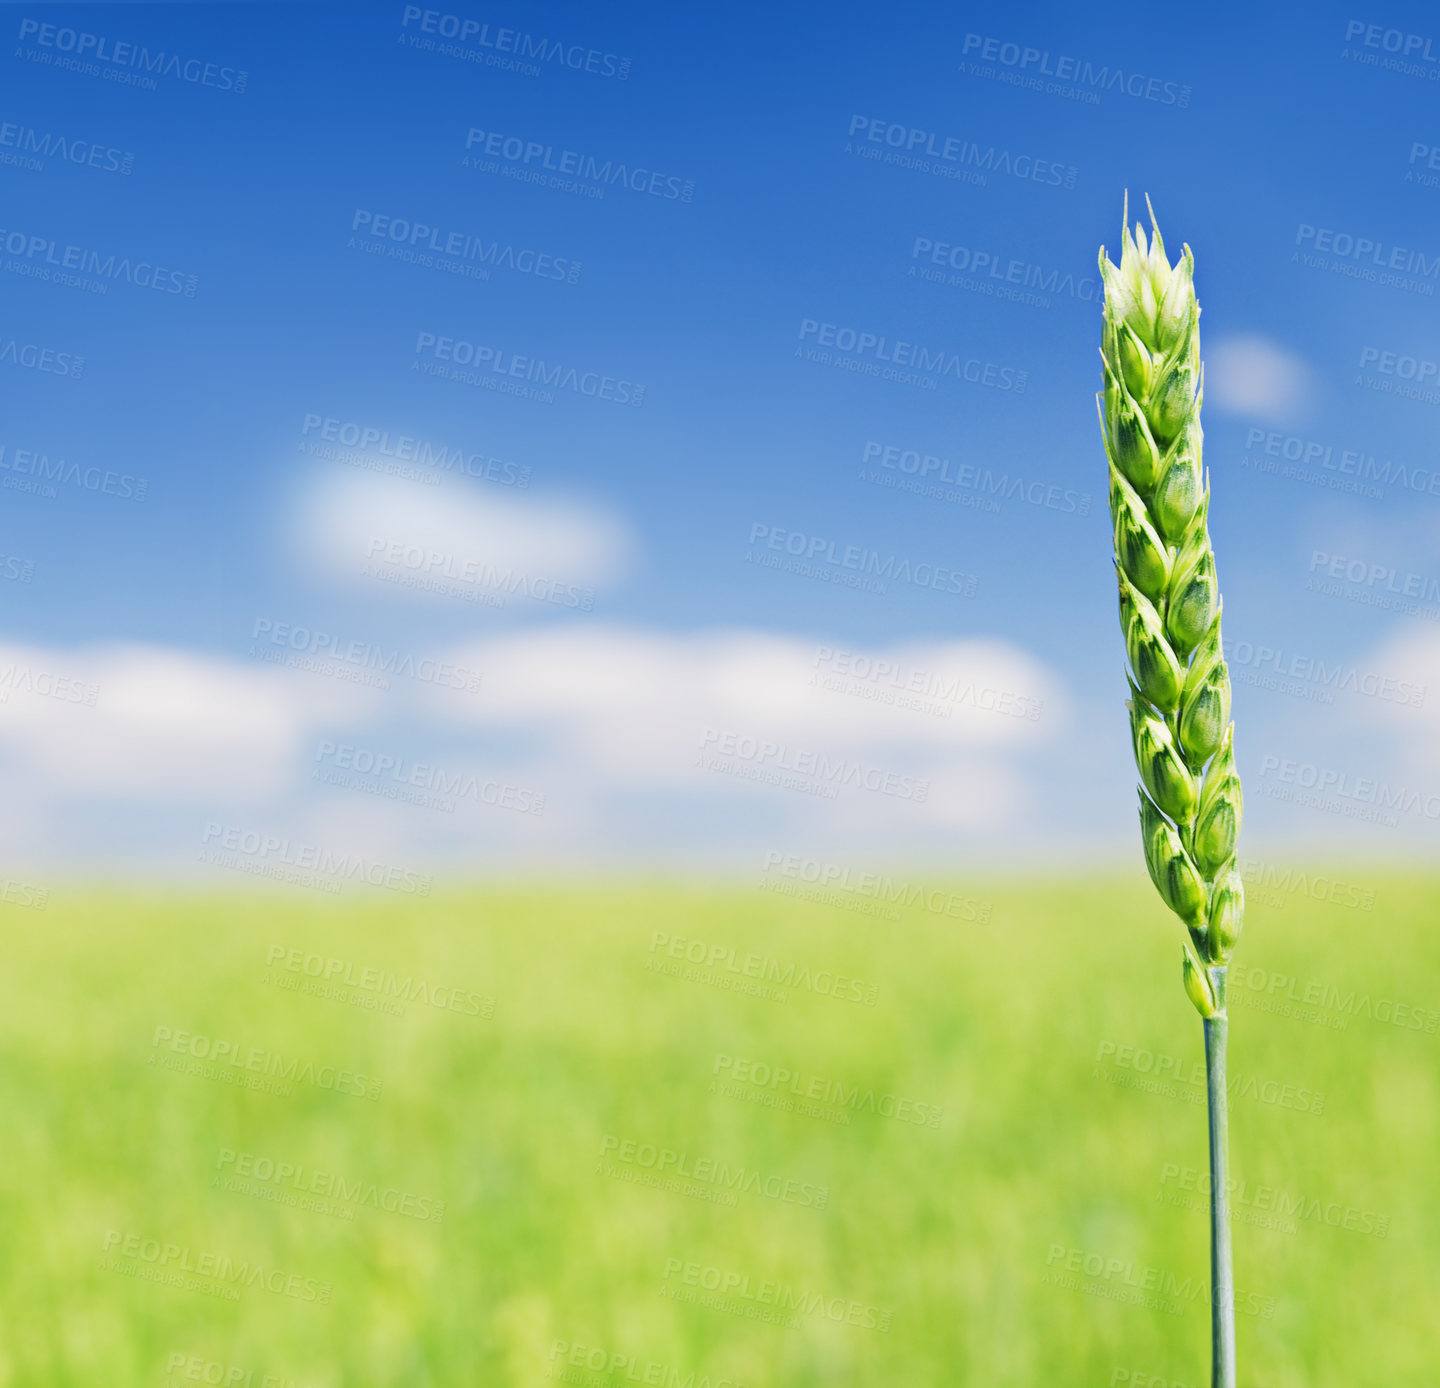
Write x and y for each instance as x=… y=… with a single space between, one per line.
x=970 y=1162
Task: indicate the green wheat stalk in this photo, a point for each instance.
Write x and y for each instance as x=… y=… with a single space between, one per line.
x=1190 y=802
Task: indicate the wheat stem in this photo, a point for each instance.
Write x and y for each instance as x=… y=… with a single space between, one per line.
x=1222 y=1275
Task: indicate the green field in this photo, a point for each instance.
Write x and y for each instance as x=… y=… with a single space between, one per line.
x=970 y=1175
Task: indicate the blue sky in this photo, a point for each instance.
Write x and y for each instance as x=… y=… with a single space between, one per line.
x=1275 y=143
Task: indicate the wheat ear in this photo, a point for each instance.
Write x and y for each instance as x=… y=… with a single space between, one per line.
x=1190 y=800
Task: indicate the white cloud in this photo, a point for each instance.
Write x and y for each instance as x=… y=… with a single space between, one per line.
x=1403 y=669
x=726 y=715
x=643 y=743
x=450 y=533
x=1255 y=376
x=150 y=723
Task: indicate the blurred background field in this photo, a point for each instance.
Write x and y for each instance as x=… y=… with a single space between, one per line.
x=1046 y=1230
